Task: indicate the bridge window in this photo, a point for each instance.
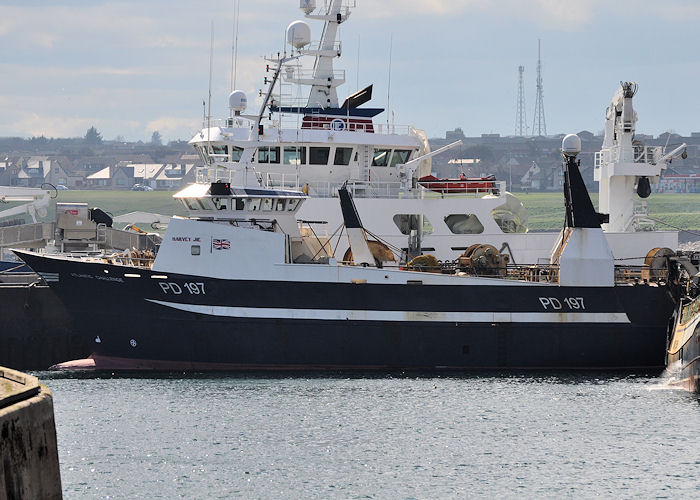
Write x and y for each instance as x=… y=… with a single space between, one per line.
x=342 y=156
x=292 y=204
x=202 y=153
x=400 y=156
x=219 y=149
x=381 y=157
x=266 y=204
x=294 y=155
x=254 y=204
x=319 y=156
x=191 y=203
x=220 y=203
x=204 y=203
x=268 y=154
x=236 y=153
x=464 y=224
x=279 y=205
x=239 y=204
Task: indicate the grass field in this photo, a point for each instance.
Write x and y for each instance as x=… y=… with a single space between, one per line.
x=679 y=210
x=546 y=209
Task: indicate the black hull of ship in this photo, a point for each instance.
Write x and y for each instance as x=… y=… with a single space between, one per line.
x=128 y=330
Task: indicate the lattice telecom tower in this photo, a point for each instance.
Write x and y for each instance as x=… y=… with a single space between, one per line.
x=539 y=126
x=520 y=118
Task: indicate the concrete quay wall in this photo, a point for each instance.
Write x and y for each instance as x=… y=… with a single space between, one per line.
x=29 y=466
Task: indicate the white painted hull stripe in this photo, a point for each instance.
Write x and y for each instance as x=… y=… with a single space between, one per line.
x=354 y=315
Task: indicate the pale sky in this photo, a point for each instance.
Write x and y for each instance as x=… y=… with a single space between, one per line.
x=131 y=67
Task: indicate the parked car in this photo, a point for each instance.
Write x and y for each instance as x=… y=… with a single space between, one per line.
x=61 y=187
x=141 y=187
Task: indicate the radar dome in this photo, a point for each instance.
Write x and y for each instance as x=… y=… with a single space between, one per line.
x=298 y=34
x=237 y=101
x=571 y=145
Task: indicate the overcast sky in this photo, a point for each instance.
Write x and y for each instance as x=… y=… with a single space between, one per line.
x=132 y=67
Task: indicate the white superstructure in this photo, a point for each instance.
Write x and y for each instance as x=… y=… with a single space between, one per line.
x=625 y=164
x=316 y=144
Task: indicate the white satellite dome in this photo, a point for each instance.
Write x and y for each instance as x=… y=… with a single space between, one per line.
x=237 y=101
x=298 y=34
x=571 y=145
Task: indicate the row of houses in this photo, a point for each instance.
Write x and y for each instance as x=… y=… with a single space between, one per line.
x=36 y=171
x=155 y=175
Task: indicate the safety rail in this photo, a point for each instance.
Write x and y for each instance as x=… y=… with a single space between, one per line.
x=299 y=75
x=360 y=189
x=539 y=273
x=26 y=234
x=641 y=154
x=280 y=180
x=293 y=121
x=315 y=45
x=475 y=187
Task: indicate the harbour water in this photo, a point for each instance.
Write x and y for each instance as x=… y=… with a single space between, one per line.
x=398 y=436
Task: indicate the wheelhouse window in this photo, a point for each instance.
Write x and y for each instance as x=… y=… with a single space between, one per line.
x=239 y=203
x=236 y=153
x=319 y=156
x=191 y=203
x=294 y=155
x=267 y=204
x=254 y=204
x=279 y=205
x=268 y=154
x=464 y=224
x=219 y=149
x=220 y=203
x=342 y=156
x=381 y=157
x=400 y=156
x=204 y=203
x=202 y=154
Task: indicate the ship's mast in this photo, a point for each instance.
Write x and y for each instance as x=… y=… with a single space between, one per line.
x=625 y=165
x=323 y=78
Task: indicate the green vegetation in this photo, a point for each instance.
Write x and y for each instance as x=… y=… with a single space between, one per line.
x=122 y=202
x=546 y=209
x=680 y=210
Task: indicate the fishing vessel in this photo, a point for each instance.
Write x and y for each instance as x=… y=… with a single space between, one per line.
x=683 y=355
x=317 y=143
x=243 y=283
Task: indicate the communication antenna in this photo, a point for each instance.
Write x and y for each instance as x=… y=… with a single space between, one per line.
x=234 y=43
x=357 y=83
x=388 y=88
x=539 y=126
x=520 y=117
x=211 y=69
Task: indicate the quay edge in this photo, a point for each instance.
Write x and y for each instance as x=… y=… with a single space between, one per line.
x=29 y=466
